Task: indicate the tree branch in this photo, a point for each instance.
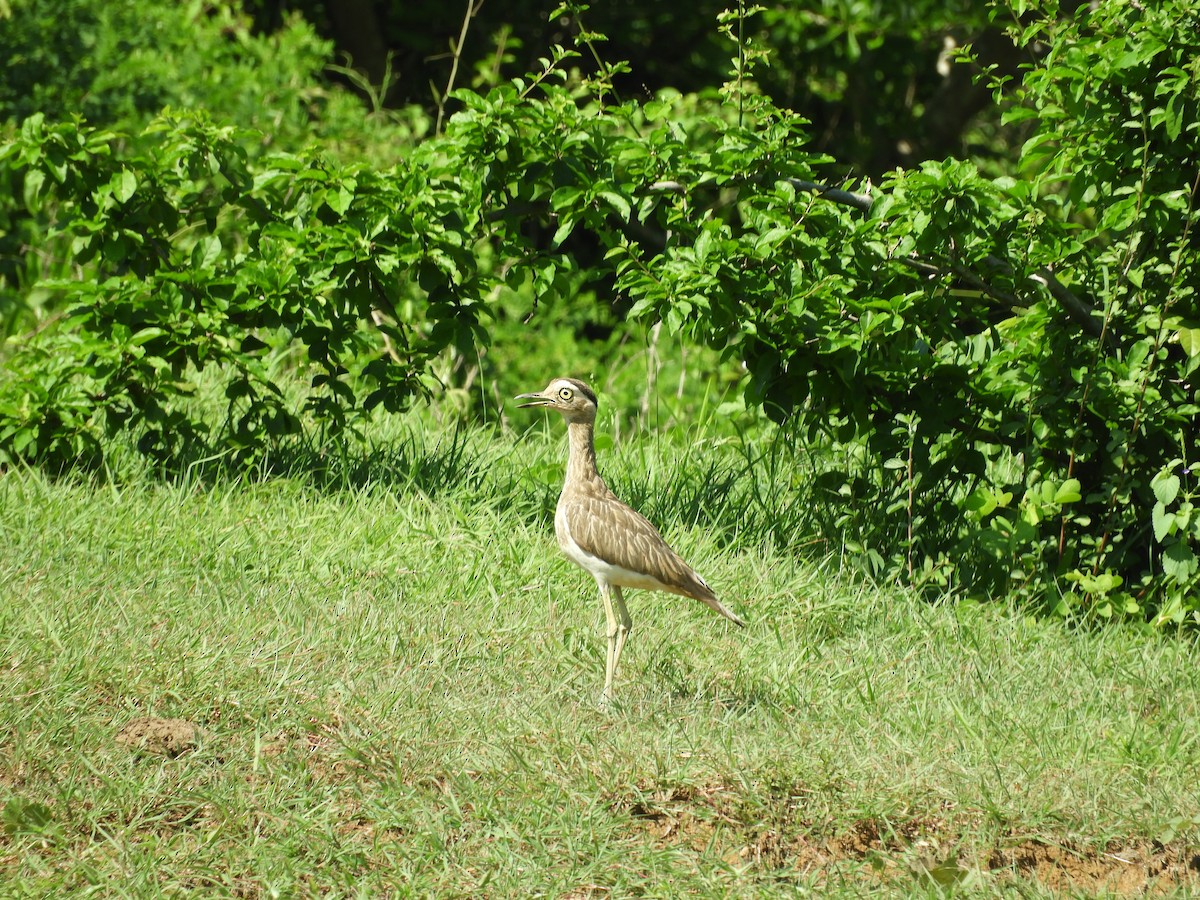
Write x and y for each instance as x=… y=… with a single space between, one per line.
x=860 y=202
x=1079 y=310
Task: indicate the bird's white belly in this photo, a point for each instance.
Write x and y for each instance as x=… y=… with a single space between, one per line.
x=601 y=570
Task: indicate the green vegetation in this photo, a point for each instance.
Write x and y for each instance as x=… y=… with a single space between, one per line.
x=121 y=64
x=1008 y=358
x=892 y=310
x=396 y=687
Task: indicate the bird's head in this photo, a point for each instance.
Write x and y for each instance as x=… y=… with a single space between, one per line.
x=573 y=399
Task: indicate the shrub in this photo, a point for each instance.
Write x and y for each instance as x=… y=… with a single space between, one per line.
x=195 y=257
x=118 y=65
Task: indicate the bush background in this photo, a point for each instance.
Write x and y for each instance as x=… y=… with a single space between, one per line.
x=949 y=246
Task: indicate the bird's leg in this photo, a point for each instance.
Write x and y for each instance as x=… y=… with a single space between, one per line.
x=619 y=624
x=624 y=623
x=610 y=659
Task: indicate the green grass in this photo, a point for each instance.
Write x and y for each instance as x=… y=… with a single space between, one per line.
x=396 y=684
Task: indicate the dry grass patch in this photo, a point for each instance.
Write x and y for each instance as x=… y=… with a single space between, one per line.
x=716 y=818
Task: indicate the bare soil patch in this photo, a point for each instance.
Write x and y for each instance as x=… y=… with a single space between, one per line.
x=939 y=849
x=163 y=737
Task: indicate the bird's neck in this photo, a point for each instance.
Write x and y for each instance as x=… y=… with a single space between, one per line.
x=581 y=461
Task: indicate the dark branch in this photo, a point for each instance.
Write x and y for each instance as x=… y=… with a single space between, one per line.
x=833 y=195
x=1083 y=313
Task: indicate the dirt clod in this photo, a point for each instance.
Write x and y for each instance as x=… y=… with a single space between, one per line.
x=163 y=737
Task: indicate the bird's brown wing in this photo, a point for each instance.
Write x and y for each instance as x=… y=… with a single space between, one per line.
x=605 y=527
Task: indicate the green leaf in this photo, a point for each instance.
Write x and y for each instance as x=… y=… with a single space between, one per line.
x=1120 y=214
x=206 y=252
x=565 y=227
x=1189 y=340
x=26 y=817
x=1163 y=521
x=617 y=202
x=655 y=109
x=252 y=344
x=1179 y=562
x=35 y=180
x=981 y=502
x=123 y=184
x=1166 y=488
x=1137 y=353
x=1174 y=118
x=145 y=335
x=339 y=200
x=1068 y=492
x=674 y=320
x=23 y=439
x=1185 y=517
x=565 y=197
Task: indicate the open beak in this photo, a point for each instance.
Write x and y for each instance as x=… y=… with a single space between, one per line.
x=538 y=399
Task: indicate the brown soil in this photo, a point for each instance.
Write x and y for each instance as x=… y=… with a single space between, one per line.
x=164 y=737
x=933 y=849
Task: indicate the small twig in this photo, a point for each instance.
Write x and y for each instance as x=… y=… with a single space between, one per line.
x=983 y=287
x=911 y=495
x=741 y=64
x=922 y=266
x=823 y=191
x=603 y=69
x=472 y=9
x=40 y=327
x=377 y=318
x=653 y=365
x=667 y=187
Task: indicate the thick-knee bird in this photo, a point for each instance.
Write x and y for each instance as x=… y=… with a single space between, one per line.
x=603 y=536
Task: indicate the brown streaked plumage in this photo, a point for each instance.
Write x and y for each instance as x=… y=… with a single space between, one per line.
x=602 y=535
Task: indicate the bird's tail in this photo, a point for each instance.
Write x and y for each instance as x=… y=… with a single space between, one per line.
x=699 y=590
x=724 y=610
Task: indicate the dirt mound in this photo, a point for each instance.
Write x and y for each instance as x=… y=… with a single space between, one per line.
x=163 y=737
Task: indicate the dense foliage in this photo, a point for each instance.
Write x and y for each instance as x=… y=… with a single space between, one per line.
x=871 y=75
x=120 y=64
x=1003 y=366
x=196 y=258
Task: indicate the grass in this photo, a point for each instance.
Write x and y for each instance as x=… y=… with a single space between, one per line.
x=395 y=687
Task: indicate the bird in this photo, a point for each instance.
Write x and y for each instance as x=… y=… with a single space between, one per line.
x=605 y=537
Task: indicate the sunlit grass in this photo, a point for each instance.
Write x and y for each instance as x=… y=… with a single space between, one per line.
x=396 y=679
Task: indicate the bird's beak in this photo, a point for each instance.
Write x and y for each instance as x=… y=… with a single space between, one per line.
x=534 y=400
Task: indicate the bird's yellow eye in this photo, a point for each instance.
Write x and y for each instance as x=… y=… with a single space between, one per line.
x=566 y=393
